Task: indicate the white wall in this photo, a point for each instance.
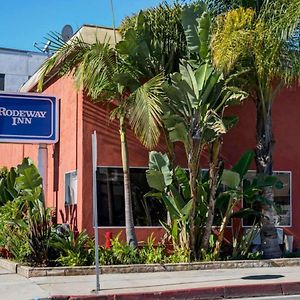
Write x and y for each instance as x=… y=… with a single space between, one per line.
x=18 y=66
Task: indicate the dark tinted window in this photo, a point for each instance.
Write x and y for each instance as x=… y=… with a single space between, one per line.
x=2 y=82
x=110 y=193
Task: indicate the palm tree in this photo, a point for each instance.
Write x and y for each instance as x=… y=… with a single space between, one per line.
x=264 y=47
x=105 y=75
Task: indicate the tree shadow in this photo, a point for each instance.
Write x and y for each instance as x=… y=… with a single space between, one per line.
x=261 y=277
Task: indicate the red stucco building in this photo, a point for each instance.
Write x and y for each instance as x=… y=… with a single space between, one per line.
x=69 y=185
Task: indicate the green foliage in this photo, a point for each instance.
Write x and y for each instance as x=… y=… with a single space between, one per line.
x=151 y=254
x=177 y=201
x=14 y=230
x=7 y=185
x=154 y=40
x=39 y=222
x=263 y=44
x=239 y=188
x=75 y=249
x=24 y=221
x=179 y=255
x=148 y=253
x=196 y=22
x=196 y=100
x=123 y=253
x=241 y=245
x=209 y=255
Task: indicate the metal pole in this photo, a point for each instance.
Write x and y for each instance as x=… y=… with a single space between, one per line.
x=95 y=208
x=113 y=20
x=43 y=165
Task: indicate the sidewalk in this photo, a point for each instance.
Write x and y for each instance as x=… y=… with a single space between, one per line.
x=208 y=284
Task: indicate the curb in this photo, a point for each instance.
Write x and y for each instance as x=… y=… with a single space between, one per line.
x=220 y=292
x=29 y=272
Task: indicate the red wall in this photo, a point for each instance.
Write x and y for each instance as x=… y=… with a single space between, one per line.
x=79 y=118
x=286 y=152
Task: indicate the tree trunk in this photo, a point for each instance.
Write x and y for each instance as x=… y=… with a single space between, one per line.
x=193 y=170
x=130 y=232
x=193 y=163
x=221 y=233
x=264 y=161
x=213 y=178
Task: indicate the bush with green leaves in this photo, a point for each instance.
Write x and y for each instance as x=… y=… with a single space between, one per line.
x=151 y=253
x=148 y=253
x=24 y=221
x=75 y=249
x=14 y=230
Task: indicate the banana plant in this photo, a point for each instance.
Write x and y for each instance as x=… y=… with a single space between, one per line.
x=24 y=184
x=197 y=96
x=172 y=188
x=196 y=100
x=239 y=188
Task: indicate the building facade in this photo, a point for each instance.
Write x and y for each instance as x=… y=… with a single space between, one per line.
x=69 y=190
x=17 y=66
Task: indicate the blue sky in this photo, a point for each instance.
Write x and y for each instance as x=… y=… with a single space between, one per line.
x=24 y=22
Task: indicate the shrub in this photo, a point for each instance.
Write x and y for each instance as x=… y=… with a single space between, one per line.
x=74 y=249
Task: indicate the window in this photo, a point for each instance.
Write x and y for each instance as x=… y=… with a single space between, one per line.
x=71 y=188
x=282 y=199
x=110 y=193
x=2 y=82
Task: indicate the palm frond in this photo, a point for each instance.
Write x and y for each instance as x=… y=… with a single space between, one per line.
x=145 y=111
x=64 y=60
x=95 y=71
x=233 y=37
x=281 y=16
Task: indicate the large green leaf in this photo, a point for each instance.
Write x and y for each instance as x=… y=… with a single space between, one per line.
x=159 y=175
x=244 y=163
x=229 y=122
x=190 y=25
x=155 y=180
x=204 y=31
x=231 y=179
x=186 y=210
x=171 y=208
x=262 y=181
x=183 y=181
x=29 y=178
x=129 y=45
x=245 y=212
x=222 y=202
x=189 y=19
x=201 y=75
x=179 y=133
x=188 y=76
x=177 y=198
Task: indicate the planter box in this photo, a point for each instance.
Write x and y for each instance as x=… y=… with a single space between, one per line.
x=90 y=270
x=9 y=265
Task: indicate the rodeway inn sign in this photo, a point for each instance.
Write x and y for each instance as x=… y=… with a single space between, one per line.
x=28 y=118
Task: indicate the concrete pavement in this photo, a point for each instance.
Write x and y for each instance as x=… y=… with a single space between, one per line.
x=160 y=285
